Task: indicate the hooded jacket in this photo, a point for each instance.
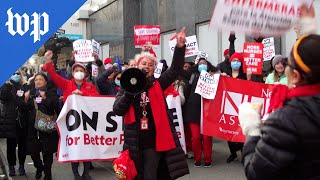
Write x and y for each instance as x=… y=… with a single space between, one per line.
x=12 y=114
x=290 y=143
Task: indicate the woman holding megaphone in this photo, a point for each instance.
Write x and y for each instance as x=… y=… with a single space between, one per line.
x=149 y=133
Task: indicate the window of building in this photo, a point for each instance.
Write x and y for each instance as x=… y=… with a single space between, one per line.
x=214 y=43
x=104 y=51
x=238 y=44
x=208 y=41
x=157 y=50
x=165 y=49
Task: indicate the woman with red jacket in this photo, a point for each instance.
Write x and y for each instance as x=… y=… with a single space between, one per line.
x=77 y=85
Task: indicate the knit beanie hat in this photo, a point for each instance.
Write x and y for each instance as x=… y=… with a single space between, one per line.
x=237 y=55
x=276 y=59
x=226 y=51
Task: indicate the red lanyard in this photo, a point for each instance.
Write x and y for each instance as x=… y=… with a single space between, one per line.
x=144 y=102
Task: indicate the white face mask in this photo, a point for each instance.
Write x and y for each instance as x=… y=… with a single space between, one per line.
x=78 y=76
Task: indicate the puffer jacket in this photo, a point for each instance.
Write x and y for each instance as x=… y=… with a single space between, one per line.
x=36 y=140
x=290 y=143
x=174 y=165
x=12 y=111
x=68 y=86
x=192 y=107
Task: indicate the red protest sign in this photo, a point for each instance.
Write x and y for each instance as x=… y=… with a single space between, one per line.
x=146 y=33
x=253 y=57
x=220 y=115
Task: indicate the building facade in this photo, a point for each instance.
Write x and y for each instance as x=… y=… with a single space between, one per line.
x=112 y=26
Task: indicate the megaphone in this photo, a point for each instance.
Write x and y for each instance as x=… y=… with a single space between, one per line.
x=133 y=81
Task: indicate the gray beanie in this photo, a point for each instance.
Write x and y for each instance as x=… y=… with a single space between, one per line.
x=276 y=59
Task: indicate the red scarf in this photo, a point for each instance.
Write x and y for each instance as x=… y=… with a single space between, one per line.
x=164 y=138
x=171 y=91
x=281 y=92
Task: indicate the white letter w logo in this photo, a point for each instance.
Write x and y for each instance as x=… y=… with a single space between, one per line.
x=23 y=28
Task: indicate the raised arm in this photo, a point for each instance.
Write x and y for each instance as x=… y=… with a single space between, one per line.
x=169 y=76
x=49 y=67
x=102 y=83
x=232 y=39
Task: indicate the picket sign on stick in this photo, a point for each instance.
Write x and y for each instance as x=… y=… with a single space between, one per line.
x=207 y=85
x=191 y=45
x=95 y=46
x=268 y=49
x=253 y=57
x=146 y=33
x=84 y=50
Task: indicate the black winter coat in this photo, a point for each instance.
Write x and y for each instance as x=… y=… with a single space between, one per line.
x=192 y=107
x=225 y=66
x=106 y=87
x=185 y=77
x=174 y=164
x=41 y=141
x=12 y=114
x=290 y=143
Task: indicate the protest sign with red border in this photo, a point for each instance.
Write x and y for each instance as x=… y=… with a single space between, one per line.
x=146 y=33
x=268 y=49
x=253 y=57
x=207 y=85
x=192 y=48
x=84 y=50
x=220 y=115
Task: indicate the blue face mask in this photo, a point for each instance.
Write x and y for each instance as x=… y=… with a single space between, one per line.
x=235 y=65
x=15 y=78
x=117 y=83
x=202 y=67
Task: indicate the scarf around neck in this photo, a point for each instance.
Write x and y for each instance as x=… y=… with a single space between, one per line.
x=281 y=93
x=164 y=137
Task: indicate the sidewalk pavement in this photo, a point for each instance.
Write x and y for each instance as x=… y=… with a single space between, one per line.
x=103 y=170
